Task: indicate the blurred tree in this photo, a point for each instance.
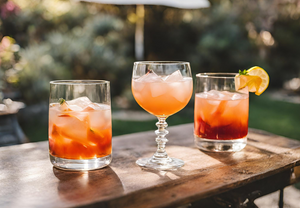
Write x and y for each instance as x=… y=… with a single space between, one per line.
x=228 y=36
x=65 y=44
x=8 y=58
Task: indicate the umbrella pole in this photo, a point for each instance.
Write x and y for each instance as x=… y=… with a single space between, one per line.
x=139 y=33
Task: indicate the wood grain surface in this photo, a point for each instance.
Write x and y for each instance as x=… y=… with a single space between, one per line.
x=27 y=178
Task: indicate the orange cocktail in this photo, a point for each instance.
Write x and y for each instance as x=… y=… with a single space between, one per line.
x=76 y=133
x=162 y=88
x=162 y=96
x=221 y=115
x=80 y=129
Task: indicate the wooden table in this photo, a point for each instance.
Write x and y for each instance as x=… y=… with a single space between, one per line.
x=268 y=163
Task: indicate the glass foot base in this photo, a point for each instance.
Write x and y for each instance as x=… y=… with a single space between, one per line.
x=214 y=145
x=166 y=164
x=80 y=165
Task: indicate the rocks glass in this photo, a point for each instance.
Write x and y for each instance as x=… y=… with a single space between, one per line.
x=221 y=113
x=80 y=124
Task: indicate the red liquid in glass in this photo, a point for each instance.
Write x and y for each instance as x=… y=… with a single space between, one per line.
x=221 y=115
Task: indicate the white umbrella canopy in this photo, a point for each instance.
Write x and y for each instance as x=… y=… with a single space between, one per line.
x=183 y=4
x=140 y=12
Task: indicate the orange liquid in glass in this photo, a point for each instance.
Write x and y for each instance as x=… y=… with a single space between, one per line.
x=221 y=119
x=82 y=134
x=162 y=98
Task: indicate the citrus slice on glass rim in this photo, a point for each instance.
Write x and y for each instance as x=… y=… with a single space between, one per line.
x=256 y=79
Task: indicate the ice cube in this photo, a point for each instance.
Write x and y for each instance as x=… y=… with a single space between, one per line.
x=201 y=95
x=150 y=77
x=177 y=90
x=236 y=99
x=100 y=118
x=237 y=96
x=212 y=94
x=213 y=97
x=216 y=113
x=137 y=86
x=223 y=95
x=91 y=107
x=63 y=107
x=73 y=125
x=75 y=108
x=219 y=95
x=174 y=77
x=96 y=106
x=158 y=89
x=82 y=116
x=3 y=107
x=81 y=102
x=69 y=123
x=181 y=90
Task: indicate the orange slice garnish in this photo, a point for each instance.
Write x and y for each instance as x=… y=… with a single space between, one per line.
x=256 y=78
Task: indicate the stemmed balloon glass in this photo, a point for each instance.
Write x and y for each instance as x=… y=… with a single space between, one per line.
x=162 y=88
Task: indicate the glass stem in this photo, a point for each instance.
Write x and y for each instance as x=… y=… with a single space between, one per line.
x=161 y=154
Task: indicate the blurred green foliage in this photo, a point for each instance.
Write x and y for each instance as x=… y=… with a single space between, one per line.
x=76 y=40
x=229 y=36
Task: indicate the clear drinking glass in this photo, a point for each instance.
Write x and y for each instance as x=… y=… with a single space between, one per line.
x=221 y=113
x=80 y=124
x=162 y=89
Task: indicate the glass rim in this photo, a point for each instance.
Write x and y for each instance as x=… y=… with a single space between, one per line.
x=220 y=75
x=161 y=62
x=78 y=82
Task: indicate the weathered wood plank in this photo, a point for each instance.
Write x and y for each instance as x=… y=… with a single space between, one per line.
x=29 y=180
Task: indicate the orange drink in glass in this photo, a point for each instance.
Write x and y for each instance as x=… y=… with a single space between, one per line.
x=162 y=89
x=221 y=113
x=80 y=130
x=162 y=97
